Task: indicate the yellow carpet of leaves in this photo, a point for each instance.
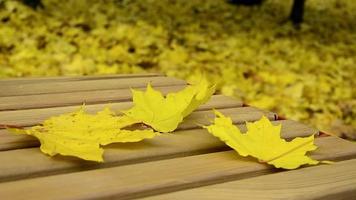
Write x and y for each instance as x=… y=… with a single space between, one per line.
x=305 y=74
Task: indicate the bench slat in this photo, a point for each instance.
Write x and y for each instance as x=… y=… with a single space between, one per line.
x=85 y=85
x=327 y=182
x=73 y=98
x=238 y=114
x=139 y=180
x=12 y=81
x=30 y=117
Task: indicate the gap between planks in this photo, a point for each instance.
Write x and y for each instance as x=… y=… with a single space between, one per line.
x=327 y=182
x=74 y=98
x=92 y=94
x=10 y=141
x=30 y=117
x=85 y=85
x=157 y=177
x=31 y=162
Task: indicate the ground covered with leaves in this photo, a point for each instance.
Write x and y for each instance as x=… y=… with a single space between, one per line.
x=252 y=54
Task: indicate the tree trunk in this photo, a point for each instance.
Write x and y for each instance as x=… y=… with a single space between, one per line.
x=296 y=15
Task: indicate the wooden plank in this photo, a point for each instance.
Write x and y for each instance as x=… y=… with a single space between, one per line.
x=30 y=117
x=327 y=182
x=180 y=143
x=289 y=127
x=21 y=80
x=85 y=85
x=150 y=178
x=74 y=98
x=239 y=115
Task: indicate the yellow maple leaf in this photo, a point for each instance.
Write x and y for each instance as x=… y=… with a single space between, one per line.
x=165 y=113
x=262 y=141
x=81 y=134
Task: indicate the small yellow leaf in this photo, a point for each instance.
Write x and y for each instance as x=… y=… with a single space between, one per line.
x=165 y=113
x=81 y=134
x=263 y=141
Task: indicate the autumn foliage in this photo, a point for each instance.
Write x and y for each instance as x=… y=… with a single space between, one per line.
x=305 y=74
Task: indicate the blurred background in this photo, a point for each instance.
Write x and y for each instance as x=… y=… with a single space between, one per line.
x=252 y=52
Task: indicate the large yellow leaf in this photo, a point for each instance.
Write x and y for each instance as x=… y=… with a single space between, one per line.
x=262 y=141
x=81 y=134
x=165 y=113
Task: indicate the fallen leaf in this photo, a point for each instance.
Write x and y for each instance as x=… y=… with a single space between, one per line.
x=94 y=38
x=263 y=141
x=81 y=134
x=165 y=113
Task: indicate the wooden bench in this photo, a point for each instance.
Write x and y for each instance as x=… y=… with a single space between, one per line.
x=188 y=164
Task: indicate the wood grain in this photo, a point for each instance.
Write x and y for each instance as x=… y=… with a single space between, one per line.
x=150 y=178
x=239 y=115
x=85 y=85
x=22 y=80
x=74 y=98
x=181 y=143
x=30 y=117
x=327 y=182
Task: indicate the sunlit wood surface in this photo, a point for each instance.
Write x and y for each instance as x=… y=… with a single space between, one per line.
x=187 y=164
